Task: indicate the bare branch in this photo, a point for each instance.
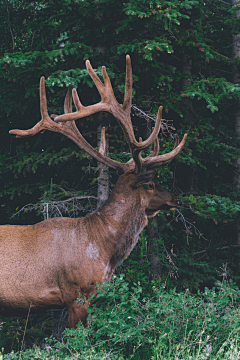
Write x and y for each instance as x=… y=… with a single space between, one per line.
x=51 y=209
x=188 y=225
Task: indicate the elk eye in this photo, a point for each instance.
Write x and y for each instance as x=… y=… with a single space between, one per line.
x=151 y=186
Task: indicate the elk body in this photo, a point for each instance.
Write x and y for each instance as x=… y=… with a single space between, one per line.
x=54 y=262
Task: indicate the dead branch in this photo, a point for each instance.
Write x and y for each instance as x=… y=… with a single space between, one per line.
x=166 y=125
x=51 y=209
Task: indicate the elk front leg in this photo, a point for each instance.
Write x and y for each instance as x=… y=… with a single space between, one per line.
x=77 y=312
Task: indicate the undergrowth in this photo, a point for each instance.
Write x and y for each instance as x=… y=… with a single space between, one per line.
x=126 y=323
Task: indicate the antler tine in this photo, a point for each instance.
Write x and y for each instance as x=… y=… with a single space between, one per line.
x=68 y=101
x=155 y=151
x=44 y=122
x=155 y=161
x=156 y=147
x=144 y=144
x=43 y=98
x=102 y=88
x=25 y=133
x=76 y=100
x=137 y=147
x=176 y=141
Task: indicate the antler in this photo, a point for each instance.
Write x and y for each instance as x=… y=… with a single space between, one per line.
x=68 y=129
x=65 y=124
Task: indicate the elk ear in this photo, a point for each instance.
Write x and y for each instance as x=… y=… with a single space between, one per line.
x=143 y=178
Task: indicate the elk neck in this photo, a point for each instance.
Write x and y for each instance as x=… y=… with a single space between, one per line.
x=118 y=223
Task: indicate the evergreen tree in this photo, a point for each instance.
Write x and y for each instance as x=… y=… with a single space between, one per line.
x=182 y=58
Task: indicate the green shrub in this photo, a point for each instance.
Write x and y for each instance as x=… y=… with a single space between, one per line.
x=125 y=324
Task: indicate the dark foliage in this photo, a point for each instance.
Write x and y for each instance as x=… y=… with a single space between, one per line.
x=181 y=58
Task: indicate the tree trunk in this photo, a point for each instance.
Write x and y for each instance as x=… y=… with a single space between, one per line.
x=191 y=183
x=103 y=177
x=187 y=70
x=236 y=80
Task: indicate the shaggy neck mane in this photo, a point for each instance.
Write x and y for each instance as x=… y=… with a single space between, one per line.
x=115 y=227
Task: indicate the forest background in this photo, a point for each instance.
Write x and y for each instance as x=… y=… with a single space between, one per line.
x=185 y=56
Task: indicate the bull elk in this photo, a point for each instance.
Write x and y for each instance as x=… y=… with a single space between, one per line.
x=55 y=261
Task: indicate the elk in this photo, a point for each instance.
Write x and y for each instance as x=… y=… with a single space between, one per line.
x=54 y=262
